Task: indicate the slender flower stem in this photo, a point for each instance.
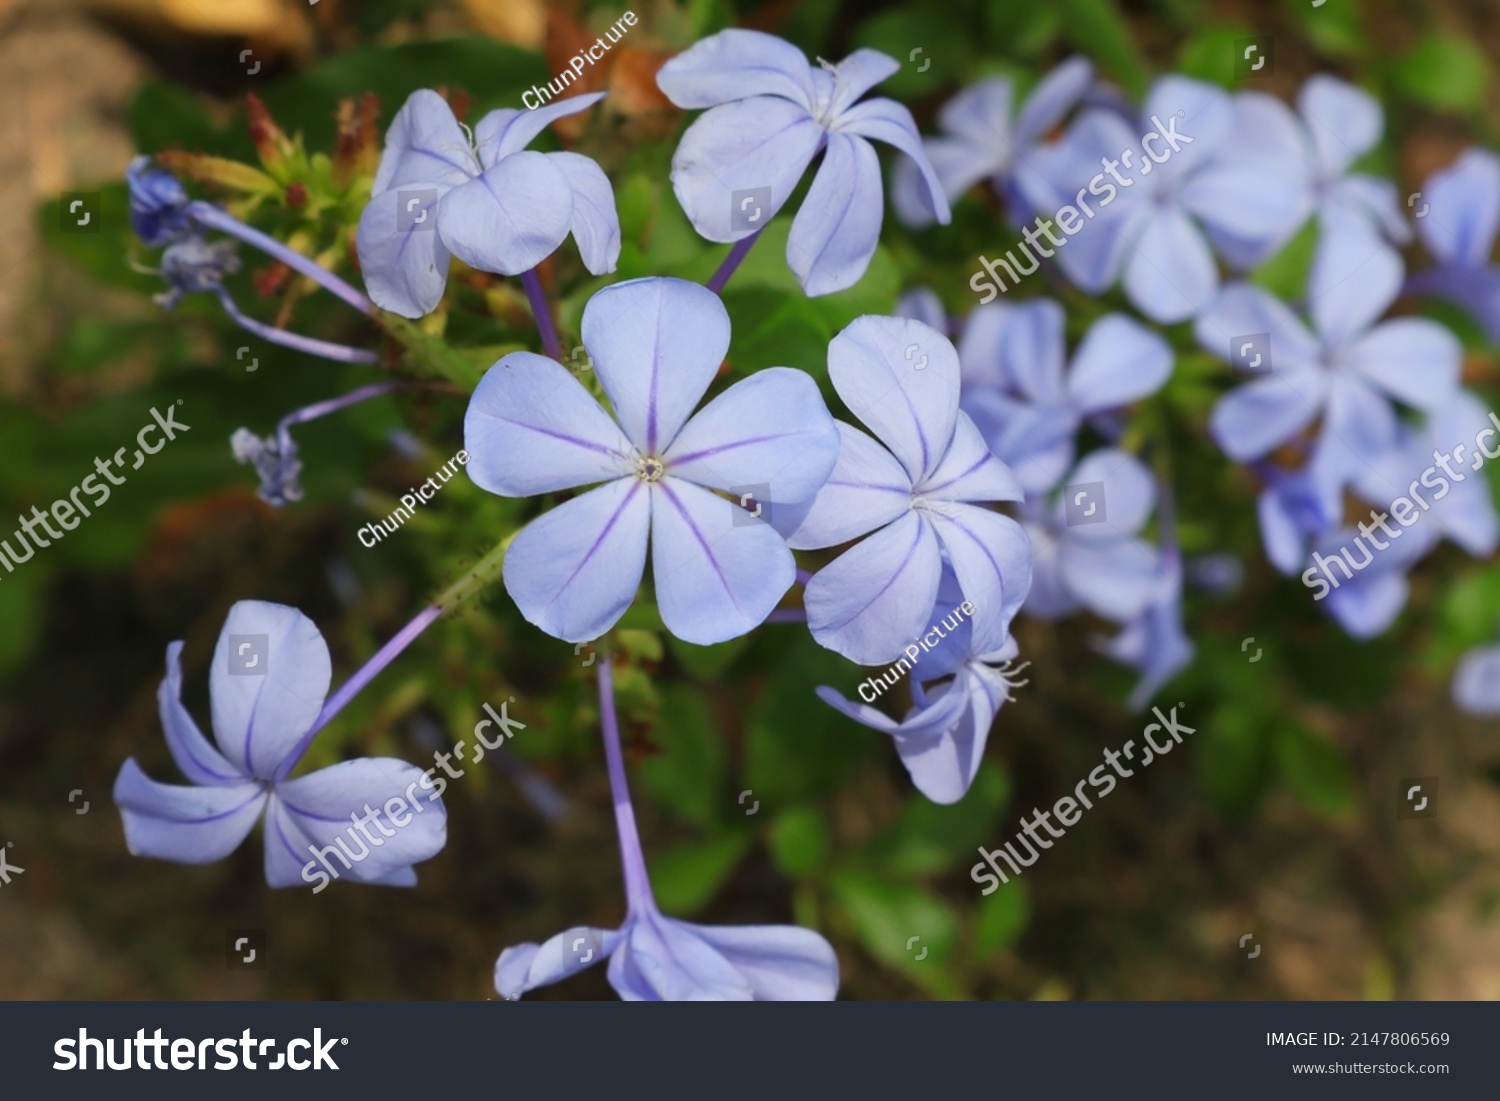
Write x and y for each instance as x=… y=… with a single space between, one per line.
x=803 y=576
x=311 y=345
x=788 y=615
x=333 y=405
x=732 y=261
x=465 y=587
x=544 y=324
x=637 y=886
x=206 y=214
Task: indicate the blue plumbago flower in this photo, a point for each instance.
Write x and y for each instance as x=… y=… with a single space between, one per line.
x=956 y=695
x=922 y=304
x=1154 y=642
x=772 y=113
x=1476 y=681
x=918 y=498
x=1085 y=543
x=1457 y=221
x=488 y=201
x=268 y=681
x=657 y=958
x=276 y=464
x=1338 y=124
x=1294 y=509
x=158 y=204
x=1147 y=225
x=1456 y=493
x=656 y=345
x=1352 y=372
x=1027 y=405
x=1367 y=601
x=981 y=140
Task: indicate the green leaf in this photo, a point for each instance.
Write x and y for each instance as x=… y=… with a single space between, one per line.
x=1314 y=770
x=1285 y=274
x=21 y=600
x=1447 y=72
x=1209 y=54
x=684 y=879
x=707 y=662
x=930 y=838
x=895 y=922
x=1098 y=29
x=688 y=775
x=1233 y=755
x=1002 y=916
x=799 y=842
x=931 y=45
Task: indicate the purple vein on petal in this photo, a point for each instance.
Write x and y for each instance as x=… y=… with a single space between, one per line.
x=977 y=541
x=747 y=442
x=655 y=373
x=259 y=794
x=587 y=445
x=957 y=477
x=911 y=551
x=603 y=535
x=702 y=542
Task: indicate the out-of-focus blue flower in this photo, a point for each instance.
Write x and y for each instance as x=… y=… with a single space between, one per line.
x=193 y=265
x=656 y=345
x=267 y=684
x=1294 y=509
x=1463 y=511
x=488 y=201
x=1367 y=601
x=956 y=694
x=158 y=204
x=1457 y=221
x=1146 y=223
x=922 y=304
x=1338 y=124
x=275 y=461
x=1352 y=372
x=981 y=140
x=1027 y=406
x=771 y=114
x=1086 y=549
x=1476 y=681
x=1154 y=642
x=920 y=495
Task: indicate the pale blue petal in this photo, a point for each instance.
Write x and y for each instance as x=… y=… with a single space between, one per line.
x=1207 y=114
x=856 y=75
x=1111 y=578
x=195 y=755
x=922 y=304
x=1476 y=681
x=425 y=146
x=981 y=115
x=1368 y=605
x=1375 y=200
x=524 y=967
x=1032 y=353
x=666 y=961
x=991 y=557
x=1463 y=209
x=900 y=378
x=1247 y=200
x=511 y=218
x=958 y=166
x=259 y=718
x=1118 y=362
x=1129 y=495
x=1254 y=418
x=1050 y=596
x=888 y=121
x=717 y=576
x=1354 y=277
x=595 y=224
x=506 y=131
x=531 y=427
x=837 y=228
x=736 y=64
x=943 y=766
x=405 y=270
x=1035 y=441
x=573 y=571
x=969 y=472
x=189 y=825
x=1170 y=274
x=781 y=963
x=978 y=344
x=656 y=345
x=1345 y=122
x=761 y=142
x=867 y=489
x=771 y=429
x=873 y=599
x=319 y=810
x=1362 y=422
x=1243 y=310
x=1056 y=94
x=1412 y=359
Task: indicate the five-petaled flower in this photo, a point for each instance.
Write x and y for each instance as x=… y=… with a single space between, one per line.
x=656 y=345
x=269 y=678
x=772 y=113
x=489 y=201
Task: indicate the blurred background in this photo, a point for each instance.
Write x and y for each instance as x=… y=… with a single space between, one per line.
x=1278 y=821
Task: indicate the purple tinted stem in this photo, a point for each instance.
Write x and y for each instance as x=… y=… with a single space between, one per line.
x=356 y=684
x=544 y=325
x=324 y=349
x=788 y=615
x=732 y=262
x=333 y=405
x=207 y=214
x=638 y=895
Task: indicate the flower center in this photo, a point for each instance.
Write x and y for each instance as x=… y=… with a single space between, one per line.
x=650 y=469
